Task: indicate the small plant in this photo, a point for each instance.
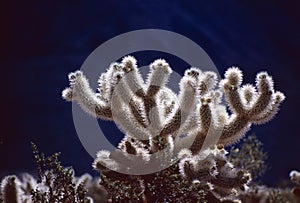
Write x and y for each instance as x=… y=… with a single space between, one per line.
x=250 y=156
x=58 y=184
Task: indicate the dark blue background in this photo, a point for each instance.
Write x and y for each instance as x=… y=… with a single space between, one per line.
x=42 y=41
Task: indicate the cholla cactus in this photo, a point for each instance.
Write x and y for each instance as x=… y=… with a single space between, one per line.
x=212 y=169
x=10 y=189
x=295 y=177
x=149 y=110
x=154 y=118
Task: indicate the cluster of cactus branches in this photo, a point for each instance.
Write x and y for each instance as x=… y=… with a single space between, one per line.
x=188 y=125
x=149 y=111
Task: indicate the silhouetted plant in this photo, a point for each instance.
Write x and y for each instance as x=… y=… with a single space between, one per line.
x=57 y=183
x=250 y=156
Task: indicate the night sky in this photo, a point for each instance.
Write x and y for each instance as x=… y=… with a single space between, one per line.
x=42 y=41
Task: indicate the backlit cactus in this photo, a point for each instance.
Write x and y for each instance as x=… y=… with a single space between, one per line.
x=188 y=125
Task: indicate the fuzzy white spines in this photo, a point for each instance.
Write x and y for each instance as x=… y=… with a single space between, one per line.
x=129 y=63
x=187 y=98
x=159 y=74
x=156 y=81
x=124 y=116
x=234 y=76
x=126 y=82
x=132 y=146
x=81 y=92
x=230 y=85
x=213 y=169
x=15 y=190
x=108 y=80
x=185 y=153
x=11 y=189
x=133 y=77
x=153 y=114
x=272 y=110
x=133 y=153
x=249 y=105
x=85 y=180
x=295 y=176
x=194 y=73
x=104 y=162
x=154 y=118
x=249 y=94
x=208 y=82
x=28 y=183
x=205 y=116
x=265 y=88
x=67 y=94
